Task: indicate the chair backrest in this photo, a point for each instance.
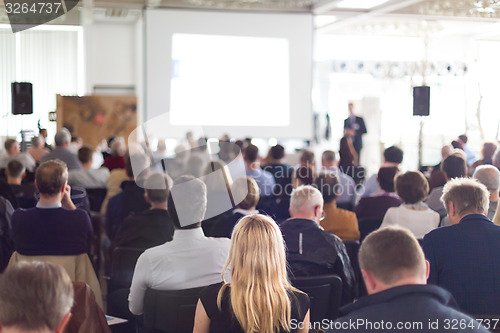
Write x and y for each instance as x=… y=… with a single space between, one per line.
x=366 y=226
x=96 y=198
x=325 y=294
x=123 y=260
x=170 y=311
x=352 y=248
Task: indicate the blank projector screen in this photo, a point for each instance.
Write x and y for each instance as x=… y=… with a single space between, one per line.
x=242 y=74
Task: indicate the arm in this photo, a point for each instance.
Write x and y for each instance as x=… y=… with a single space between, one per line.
x=362 y=126
x=66 y=200
x=140 y=282
x=305 y=322
x=202 y=322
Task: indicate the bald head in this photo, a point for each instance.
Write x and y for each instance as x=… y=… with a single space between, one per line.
x=307 y=203
x=489 y=176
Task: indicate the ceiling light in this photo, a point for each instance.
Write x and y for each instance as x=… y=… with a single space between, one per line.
x=360 y=4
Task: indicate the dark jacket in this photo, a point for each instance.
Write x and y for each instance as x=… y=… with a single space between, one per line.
x=464 y=259
x=312 y=251
x=429 y=306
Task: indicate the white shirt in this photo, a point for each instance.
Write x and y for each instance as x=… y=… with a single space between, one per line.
x=88 y=178
x=190 y=260
x=26 y=160
x=419 y=222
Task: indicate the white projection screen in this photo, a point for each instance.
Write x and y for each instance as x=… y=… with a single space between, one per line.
x=242 y=74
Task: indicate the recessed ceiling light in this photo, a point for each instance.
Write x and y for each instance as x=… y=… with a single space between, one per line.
x=360 y=4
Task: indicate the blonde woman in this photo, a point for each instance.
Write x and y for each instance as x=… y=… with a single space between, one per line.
x=259 y=298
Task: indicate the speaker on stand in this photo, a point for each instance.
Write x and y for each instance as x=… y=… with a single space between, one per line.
x=421 y=107
x=22 y=98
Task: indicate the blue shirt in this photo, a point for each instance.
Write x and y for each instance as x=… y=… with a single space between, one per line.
x=347 y=187
x=264 y=180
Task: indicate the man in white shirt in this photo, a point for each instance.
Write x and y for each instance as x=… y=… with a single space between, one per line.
x=87 y=177
x=13 y=153
x=347 y=191
x=190 y=260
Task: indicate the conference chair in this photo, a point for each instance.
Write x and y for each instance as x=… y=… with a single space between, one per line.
x=352 y=248
x=170 y=311
x=123 y=260
x=367 y=225
x=325 y=294
x=96 y=198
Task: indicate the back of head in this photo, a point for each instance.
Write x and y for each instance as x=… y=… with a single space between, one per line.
x=35 y=296
x=85 y=154
x=37 y=141
x=187 y=202
x=304 y=175
x=15 y=169
x=118 y=147
x=468 y=196
x=251 y=153
x=457 y=144
x=51 y=176
x=305 y=198
x=463 y=138
x=157 y=187
x=489 y=150
x=393 y=154
x=392 y=254
x=62 y=137
x=328 y=184
x=385 y=178
x=259 y=280
x=496 y=159
x=247 y=190
x=277 y=152
x=307 y=157
x=328 y=156
x=454 y=167
x=412 y=187
x=489 y=176
x=9 y=144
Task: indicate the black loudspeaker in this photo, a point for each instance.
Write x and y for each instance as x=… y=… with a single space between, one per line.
x=22 y=98
x=421 y=101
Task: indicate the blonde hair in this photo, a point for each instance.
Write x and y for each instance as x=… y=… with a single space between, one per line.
x=245 y=191
x=259 y=280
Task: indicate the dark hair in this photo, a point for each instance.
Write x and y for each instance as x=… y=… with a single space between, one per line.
x=393 y=154
x=385 y=178
x=251 y=153
x=85 y=154
x=277 y=152
x=328 y=184
x=140 y=164
x=463 y=138
x=9 y=143
x=488 y=150
x=15 y=169
x=51 y=176
x=412 y=187
x=454 y=167
x=307 y=157
x=157 y=187
x=305 y=175
x=328 y=156
x=457 y=145
x=191 y=197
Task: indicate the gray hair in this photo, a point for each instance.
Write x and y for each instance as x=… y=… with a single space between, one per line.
x=489 y=176
x=187 y=201
x=35 y=296
x=36 y=141
x=305 y=198
x=157 y=187
x=62 y=137
x=467 y=194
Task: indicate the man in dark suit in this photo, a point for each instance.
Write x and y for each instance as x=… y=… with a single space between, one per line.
x=464 y=256
x=355 y=125
x=395 y=272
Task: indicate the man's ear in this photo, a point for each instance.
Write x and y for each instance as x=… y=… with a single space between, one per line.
x=370 y=283
x=64 y=322
x=427 y=269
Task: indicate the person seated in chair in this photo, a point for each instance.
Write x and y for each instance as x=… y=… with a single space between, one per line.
x=151 y=227
x=25 y=193
x=347 y=189
x=13 y=153
x=35 y=297
x=61 y=152
x=311 y=250
x=489 y=176
x=395 y=273
x=54 y=226
x=190 y=260
x=87 y=177
x=393 y=156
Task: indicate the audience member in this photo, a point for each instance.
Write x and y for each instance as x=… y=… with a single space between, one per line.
x=13 y=153
x=260 y=297
x=303 y=176
x=37 y=149
x=437 y=177
x=471 y=157
x=195 y=166
x=307 y=159
x=6 y=243
x=190 y=260
x=75 y=145
x=61 y=152
x=54 y=226
x=177 y=166
x=393 y=156
x=340 y=222
x=347 y=188
x=348 y=155
x=264 y=179
x=489 y=176
x=496 y=159
x=395 y=273
x=487 y=153
x=413 y=214
x=152 y=227
x=115 y=159
x=25 y=193
x=462 y=256
x=376 y=205
x=454 y=166
x=312 y=250
x=43 y=133
x=131 y=198
x=87 y=177
x=35 y=297
x=243 y=189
